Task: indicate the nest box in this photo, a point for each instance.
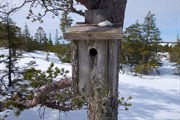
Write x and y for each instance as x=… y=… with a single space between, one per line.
x=95 y=57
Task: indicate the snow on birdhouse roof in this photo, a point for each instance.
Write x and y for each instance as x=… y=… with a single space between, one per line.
x=93 y=32
x=105 y=23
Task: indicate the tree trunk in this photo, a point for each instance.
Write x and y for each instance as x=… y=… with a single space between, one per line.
x=103 y=103
x=10 y=54
x=112 y=10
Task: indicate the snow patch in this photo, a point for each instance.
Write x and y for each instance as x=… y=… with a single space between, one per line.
x=105 y=23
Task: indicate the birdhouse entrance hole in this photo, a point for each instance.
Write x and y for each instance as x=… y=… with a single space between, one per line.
x=93 y=52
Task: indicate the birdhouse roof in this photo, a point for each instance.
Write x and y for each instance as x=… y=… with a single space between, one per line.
x=93 y=32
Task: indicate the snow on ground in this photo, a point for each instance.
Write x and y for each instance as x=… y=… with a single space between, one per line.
x=155 y=97
x=40 y=58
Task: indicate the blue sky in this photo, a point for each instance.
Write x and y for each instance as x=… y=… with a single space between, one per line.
x=167 y=13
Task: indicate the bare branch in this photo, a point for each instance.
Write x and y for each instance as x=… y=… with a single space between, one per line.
x=17 y=8
x=72 y=9
x=3 y=82
x=14 y=9
x=91 y=4
x=48 y=88
x=54 y=7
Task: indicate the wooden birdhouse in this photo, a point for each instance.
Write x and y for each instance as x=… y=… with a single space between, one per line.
x=95 y=56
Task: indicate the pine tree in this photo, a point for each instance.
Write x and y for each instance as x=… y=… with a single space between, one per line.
x=57 y=37
x=66 y=21
x=132 y=44
x=151 y=31
x=14 y=42
x=50 y=40
x=174 y=54
x=50 y=37
x=40 y=35
x=26 y=32
x=27 y=38
x=3 y=41
x=140 y=46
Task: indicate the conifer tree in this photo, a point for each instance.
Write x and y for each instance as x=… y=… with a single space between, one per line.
x=26 y=32
x=27 y=38
x=66 y=21
x=174 y=54
x=40 y=35
x=50 y=40
x=140 y=46
x=132 y=43
x=57 y=37
x=13 y=37
x=151 y=31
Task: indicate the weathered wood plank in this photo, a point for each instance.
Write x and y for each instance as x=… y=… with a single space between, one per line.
x=93 y=32
x=75 y=67
x=93 y=69
x=84 y=68
x=114 y=47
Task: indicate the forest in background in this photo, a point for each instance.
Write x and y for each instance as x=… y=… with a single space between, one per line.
x=139 y=47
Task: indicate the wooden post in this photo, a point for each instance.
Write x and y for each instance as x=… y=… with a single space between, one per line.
x=96 y=61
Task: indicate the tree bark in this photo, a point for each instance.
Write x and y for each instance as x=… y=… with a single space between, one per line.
x=10 y=54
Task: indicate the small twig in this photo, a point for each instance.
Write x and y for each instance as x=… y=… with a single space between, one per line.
x=3 y=82
x=42 y=115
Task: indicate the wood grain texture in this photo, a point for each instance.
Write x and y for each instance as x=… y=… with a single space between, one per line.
x=114 y=53
x=93 y=70
x=75 y=67
x=93 y=32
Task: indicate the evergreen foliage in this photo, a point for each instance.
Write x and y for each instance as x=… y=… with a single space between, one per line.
x=14 y=39
x=139 y=47
x=174 y=54
x=66 y=21
x=151 y=32
x=63 y=52
x=57 y=38
x=63 y=99
x=3 y=33
x=40 y=35
x=27 y=39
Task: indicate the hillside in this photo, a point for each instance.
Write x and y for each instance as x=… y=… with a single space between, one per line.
x=154 y=97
